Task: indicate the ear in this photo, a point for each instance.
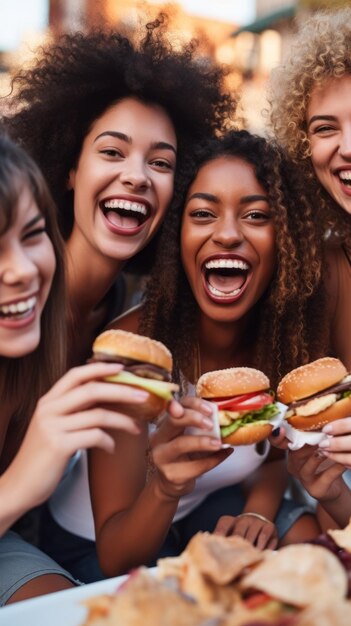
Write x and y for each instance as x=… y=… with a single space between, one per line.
x=71 y=179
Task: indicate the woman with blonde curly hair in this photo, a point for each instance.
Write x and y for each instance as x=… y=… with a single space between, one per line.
x=236 y=282
x=310 y=98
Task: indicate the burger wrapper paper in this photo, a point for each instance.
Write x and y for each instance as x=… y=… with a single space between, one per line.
x=300 y=438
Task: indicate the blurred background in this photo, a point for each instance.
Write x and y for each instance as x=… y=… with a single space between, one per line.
x=250 y=36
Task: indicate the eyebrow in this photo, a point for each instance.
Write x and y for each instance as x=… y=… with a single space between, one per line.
x=316 y=118
x=158 y=145
x=211 y=198
x=34 y=221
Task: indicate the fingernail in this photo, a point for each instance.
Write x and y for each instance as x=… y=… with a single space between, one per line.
x=142 y=395
x=327 y=429
x=206 y=408
x=216 y=443
x=276 y=432
x=226 y=446
x=324 y=444
x=207 y=423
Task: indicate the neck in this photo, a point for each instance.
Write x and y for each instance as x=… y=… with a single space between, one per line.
x=89 y=274
x=223 y=345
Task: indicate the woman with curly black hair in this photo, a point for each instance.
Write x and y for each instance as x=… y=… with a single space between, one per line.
x=111 y=122
x=236 y=282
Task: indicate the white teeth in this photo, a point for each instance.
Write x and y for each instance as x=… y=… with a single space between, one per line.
x=345 y=175
x=137 y=207
x=227 y=263
x=222 y=294
x=18 y=307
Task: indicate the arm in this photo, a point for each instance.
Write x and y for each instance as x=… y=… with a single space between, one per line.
x=264 y=490
x=132 y=516
x=69 y=417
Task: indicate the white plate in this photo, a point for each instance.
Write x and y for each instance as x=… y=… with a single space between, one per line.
x=63 y=608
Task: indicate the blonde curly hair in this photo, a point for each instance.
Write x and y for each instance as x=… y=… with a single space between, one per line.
x=321 y=51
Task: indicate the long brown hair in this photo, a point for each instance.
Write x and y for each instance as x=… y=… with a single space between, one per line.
x=24 y=379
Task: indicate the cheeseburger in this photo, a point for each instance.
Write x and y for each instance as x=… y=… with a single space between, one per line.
x=147 y=365
x=244 y=400
x=316 y=393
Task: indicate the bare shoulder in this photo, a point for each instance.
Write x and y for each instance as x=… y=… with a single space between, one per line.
x=127 y=321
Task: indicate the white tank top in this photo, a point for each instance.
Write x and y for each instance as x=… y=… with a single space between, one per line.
x=70 y=504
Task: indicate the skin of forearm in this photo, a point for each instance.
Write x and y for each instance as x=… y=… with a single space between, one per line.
x=339 y=508
x=133 y=537
x=266 y=489
x=12 y=507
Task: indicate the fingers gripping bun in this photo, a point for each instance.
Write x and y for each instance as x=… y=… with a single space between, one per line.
x=149 y=410
x=338 y=410
x=129 y=345
x=307 y=380
x=231 y=381
x=251 y=433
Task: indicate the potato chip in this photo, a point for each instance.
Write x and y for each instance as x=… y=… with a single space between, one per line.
x=299 y=575
x=342 y=537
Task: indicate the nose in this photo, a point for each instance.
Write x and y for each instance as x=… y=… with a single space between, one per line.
x=345 y=143
x=16 y=267
x=228 y=233
x=134 y=174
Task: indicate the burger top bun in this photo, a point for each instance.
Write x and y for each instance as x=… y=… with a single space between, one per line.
x=231 y=382
x=307 y=380
x=129 y=345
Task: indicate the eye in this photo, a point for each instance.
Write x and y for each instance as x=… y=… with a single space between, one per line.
x=36 y=232
x=258 y=215
x=162 y=164
x=111 y=152
x=201 y=214
x=324 y=129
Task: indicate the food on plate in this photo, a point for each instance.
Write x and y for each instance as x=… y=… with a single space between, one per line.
x=225 y=581
x=299 y=575
x=145 y=600
x=244 y=400
x=316 y=393
x=339 y=543
x=147 y=364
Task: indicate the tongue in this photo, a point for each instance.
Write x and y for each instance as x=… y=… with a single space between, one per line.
x=227 y=283
x=122 y=221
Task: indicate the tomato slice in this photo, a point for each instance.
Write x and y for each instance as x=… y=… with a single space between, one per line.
x=245 y=402
x=257 y=600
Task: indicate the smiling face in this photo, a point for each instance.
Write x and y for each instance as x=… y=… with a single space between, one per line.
x=124 y=178
x=227 y=239
x=329 y=131
x=27 y=266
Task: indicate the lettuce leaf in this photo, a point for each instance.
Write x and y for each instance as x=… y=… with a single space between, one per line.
x=261 y=415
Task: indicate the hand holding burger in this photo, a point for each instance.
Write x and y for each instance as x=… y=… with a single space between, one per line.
x=316 y=394
x=147 y=364
x=244 y=400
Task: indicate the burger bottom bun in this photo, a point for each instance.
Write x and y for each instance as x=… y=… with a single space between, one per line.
x=246 y=435
x=341 y=408
x=148 y=411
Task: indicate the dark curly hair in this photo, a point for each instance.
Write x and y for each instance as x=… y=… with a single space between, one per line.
x=289 y=325
x=75 y=80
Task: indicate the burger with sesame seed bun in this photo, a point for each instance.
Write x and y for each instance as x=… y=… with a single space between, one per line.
x=316 y=393
x=245 y=403
x=147 y=364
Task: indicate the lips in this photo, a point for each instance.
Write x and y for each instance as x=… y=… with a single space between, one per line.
x=225 y=278
x=125 y=214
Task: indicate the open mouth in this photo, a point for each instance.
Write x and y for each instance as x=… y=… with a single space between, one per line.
x=225 y=278
x=345 y=177
x=18 y=310
x=125 y=214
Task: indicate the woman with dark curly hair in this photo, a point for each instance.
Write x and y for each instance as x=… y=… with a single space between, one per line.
x=310 y=97
x=235 y=283
x=111 y=122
